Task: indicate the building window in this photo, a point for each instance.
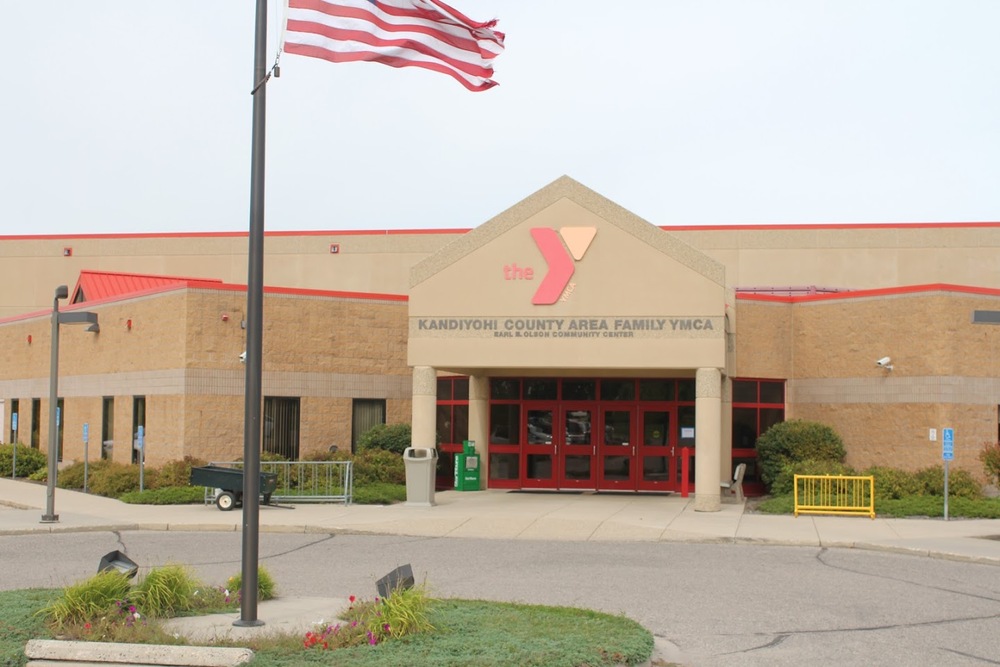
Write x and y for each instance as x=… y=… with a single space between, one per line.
x=36 y=421
x=757 y=406
x=107 y=426
x=281 y=427
x=13 y=420
x=365 y=414
x=138 y=419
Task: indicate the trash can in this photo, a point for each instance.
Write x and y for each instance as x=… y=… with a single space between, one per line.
x=467 y=468
x=421 y=466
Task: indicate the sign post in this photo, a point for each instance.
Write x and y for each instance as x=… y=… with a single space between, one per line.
x=86 y=458
x=13 y=462
x=947 y=454
x=140 y=446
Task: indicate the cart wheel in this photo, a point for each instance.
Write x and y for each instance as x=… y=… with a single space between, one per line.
x=267 y=498
x=225 y=501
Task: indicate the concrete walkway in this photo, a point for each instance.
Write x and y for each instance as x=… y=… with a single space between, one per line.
x=502 y=515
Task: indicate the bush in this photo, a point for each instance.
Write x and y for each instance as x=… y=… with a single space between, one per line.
x=376 y=465
x=115 y=479
x=990 y=456
x=389 y=437
x=71 y=477
x=171 y=495
x=794 y=441
x=892 y=483
x=960 y=483
x=29 y=460
x=785 y=481
x=175 y=473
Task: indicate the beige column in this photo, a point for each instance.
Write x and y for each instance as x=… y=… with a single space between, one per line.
x=707 y=439
x=479 y=419
x=424 y=421
x=726 y=452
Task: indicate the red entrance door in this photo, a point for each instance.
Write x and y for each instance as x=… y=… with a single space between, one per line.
x=539 y=454
x=656 y=464
x=577 y=449
x=616 y=450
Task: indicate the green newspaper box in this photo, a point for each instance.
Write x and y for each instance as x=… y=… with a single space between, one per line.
x=467 y=468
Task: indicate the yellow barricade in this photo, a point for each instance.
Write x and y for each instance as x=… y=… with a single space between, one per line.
x=834 y=494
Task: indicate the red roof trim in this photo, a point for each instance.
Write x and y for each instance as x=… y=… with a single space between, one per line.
x=202 y=235
x=368 y=296
x=828 y=225
x=858 y=294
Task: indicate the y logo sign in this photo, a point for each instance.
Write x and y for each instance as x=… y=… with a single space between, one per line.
x=560 y=258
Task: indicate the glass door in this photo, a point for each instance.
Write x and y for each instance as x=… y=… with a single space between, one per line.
x=616 y=450
x=538 y=465
x=578 y=449
x=656 y=453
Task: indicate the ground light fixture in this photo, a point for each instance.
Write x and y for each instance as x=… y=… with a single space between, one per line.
x=75 y=317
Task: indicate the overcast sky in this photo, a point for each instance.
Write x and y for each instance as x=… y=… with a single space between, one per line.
x=124 y=116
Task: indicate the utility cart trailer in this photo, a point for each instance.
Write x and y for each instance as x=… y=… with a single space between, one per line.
x=229 y=484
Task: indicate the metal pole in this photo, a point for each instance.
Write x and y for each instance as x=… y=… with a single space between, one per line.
x=255 y=334
x=50 y=515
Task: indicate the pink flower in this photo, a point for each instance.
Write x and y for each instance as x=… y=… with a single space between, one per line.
x=351 y=599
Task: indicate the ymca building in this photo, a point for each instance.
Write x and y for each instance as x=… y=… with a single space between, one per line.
x=579 y=346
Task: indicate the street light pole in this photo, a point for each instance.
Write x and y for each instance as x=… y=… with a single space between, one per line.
x=50 y=490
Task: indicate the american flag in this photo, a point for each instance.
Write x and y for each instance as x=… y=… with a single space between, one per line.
x=398 y=33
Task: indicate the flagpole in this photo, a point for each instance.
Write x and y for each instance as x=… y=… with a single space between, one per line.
x=255 y=334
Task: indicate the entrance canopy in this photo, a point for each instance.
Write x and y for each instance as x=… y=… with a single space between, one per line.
x=568 y=282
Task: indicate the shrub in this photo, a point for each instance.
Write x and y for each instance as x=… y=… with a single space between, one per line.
x=785 y=481
x=171 y=495
x=167 y=590
x=265 y=583
x=796 y=440
x=88 y=599
x=176 y=473
x=960 y=483
x=115 y=479
x=377 y=465
x=29 y=460
x=892 y=483
x=990 y=456
x=390 y=437
x=71 y=477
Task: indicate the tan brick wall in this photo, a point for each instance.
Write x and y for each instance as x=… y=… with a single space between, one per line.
x=946 y=371
x=763 y=339
x=182 y=354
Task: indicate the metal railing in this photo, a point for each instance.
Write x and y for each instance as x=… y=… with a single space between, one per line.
x=835 y=494
x=304 y=481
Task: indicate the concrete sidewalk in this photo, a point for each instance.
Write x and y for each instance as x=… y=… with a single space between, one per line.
x=620 y=517
x=493 y=514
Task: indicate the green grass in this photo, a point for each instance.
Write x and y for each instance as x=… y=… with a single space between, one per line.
x=467 y=632
x=379 y=493
x=910 y=506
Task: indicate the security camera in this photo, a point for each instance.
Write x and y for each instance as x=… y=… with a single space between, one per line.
x=243 y=357
x=884 y=362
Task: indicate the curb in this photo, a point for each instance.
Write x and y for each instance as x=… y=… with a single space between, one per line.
x=53 y=652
